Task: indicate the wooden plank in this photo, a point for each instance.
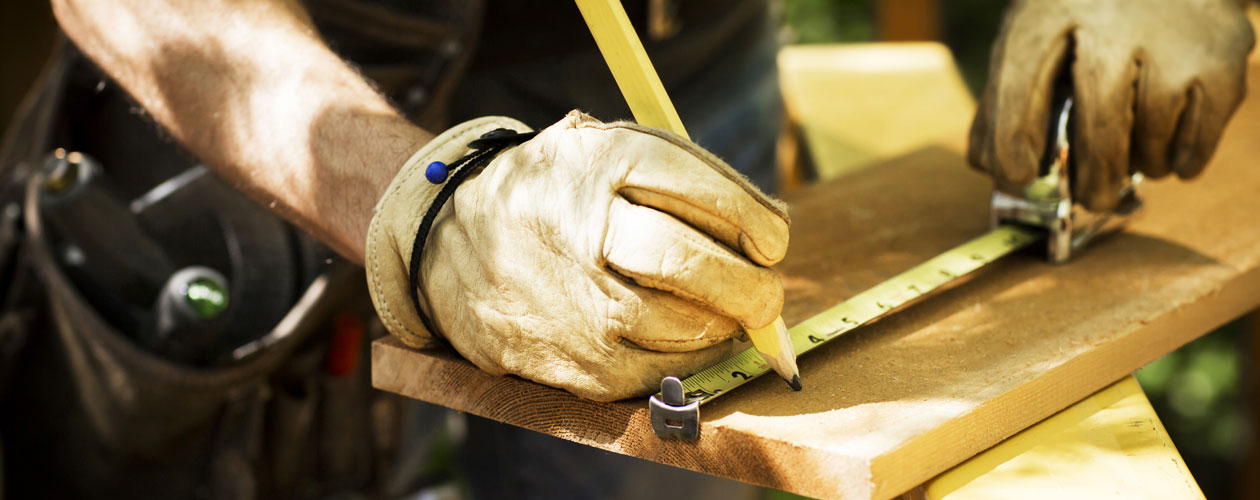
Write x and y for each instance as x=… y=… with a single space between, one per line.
x=892 y=405
x=1109 y=445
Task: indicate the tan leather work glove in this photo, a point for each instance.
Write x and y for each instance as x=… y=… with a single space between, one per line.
x=584 y=258
x=1154 y=82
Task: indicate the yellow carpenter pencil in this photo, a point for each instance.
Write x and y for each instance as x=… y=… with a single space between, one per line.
x=642 y=88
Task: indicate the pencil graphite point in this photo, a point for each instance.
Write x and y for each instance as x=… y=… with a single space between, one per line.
x=774 y=344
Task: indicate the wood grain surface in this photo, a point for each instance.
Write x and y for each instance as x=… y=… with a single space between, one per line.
x=889 y=406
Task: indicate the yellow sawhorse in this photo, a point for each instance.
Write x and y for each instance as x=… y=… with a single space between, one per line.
x=1110 y=445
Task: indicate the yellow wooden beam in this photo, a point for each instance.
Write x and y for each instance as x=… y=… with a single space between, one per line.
x=861 y=104
x=1109 y=445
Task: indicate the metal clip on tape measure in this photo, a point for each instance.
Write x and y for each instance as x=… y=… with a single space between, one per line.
x=1046 y=203
x=1045 y=210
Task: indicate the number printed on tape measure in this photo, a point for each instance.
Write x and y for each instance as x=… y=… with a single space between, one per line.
x=866 y=306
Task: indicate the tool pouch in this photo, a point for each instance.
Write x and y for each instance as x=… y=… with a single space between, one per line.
x=139 y=407
x=89 y=412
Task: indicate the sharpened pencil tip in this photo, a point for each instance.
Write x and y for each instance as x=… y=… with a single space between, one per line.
x=795 y=382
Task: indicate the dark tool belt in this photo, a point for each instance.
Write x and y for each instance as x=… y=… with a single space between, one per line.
x=88 y=411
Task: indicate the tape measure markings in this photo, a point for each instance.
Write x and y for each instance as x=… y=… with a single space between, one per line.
x=865 y=307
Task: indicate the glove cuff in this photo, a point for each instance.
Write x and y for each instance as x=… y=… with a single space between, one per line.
x=396 y=220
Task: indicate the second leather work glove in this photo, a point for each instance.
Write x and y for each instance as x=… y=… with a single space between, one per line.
x=594 y=257
x=1154 y=83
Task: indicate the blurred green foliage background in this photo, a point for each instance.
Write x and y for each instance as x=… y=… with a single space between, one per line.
x=829 y=21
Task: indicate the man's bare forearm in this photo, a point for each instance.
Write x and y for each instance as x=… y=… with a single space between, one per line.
x=249 y=87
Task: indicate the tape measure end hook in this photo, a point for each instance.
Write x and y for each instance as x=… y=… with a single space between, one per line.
x=672 y=416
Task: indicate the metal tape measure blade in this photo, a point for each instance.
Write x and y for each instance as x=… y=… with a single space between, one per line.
x=865 y=307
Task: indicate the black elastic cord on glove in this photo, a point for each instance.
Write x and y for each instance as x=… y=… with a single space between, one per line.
x=485 y=148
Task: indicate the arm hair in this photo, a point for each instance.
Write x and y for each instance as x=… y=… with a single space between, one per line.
x=250 y=88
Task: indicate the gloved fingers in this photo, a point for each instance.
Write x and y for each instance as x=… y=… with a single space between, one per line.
x=692 y=185
x=1008 y=134
x=1158 y=112
x=1206 y=114
x=650 y=366
x=605 y=372
x=1102 y=123
x=658 y=251
x=980 y=138
x=1177 y=131
x=661 y=321
x=1215 y=91
x=628 y=371
x=1195 y=140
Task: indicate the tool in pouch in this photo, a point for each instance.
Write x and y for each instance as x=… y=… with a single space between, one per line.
x=646 y=97
x=1044 y=212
